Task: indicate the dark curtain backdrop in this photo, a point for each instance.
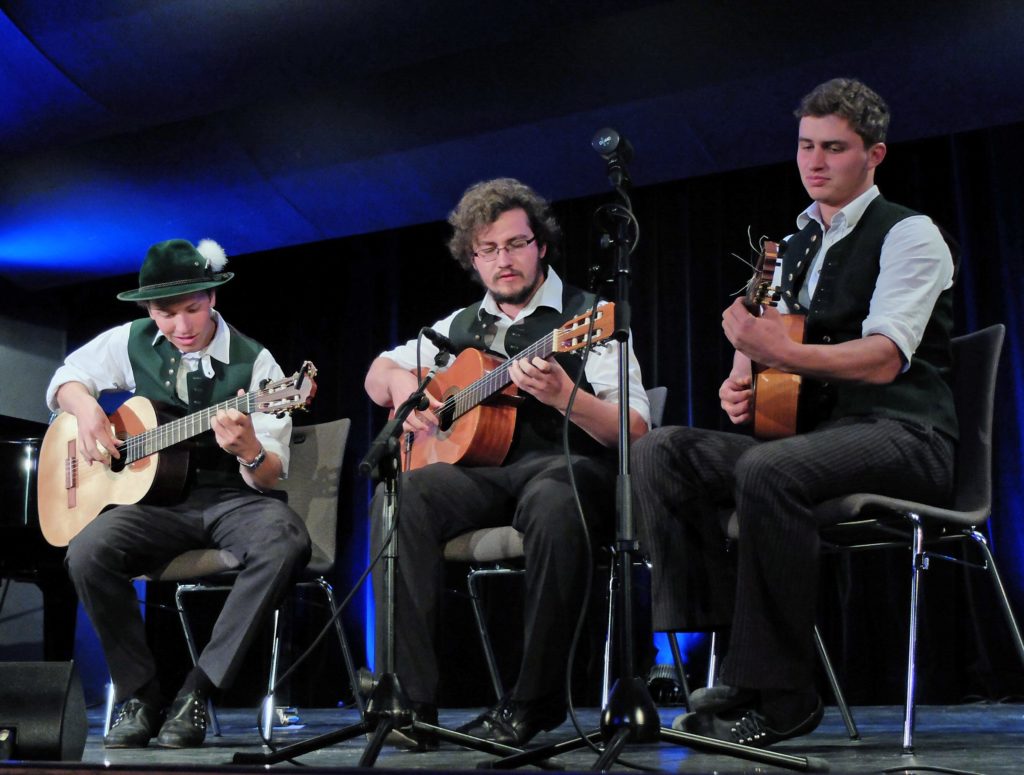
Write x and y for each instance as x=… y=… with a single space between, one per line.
x=339 y=303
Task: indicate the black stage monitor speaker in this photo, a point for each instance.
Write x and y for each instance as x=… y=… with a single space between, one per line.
x=42 y=711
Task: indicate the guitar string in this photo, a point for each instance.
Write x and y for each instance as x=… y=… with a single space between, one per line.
x=495 y=380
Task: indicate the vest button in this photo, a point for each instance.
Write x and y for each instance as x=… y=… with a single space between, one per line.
x=170 y=371
x=167 y=384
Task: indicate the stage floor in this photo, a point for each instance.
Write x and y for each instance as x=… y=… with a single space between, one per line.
x=985 y=738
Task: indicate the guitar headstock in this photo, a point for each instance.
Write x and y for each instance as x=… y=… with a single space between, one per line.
x=288 y=394
x=576 y=334
x=760 y=292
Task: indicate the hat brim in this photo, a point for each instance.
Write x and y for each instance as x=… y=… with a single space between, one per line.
x=178 y=288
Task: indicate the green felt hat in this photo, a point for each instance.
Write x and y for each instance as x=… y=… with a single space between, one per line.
x=176 y=268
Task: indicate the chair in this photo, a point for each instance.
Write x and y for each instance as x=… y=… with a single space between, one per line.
x=312 y=487
x=869 y=521
x=495 y=551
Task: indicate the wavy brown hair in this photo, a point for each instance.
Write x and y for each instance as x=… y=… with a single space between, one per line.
x=483 y=203
x=850 y=99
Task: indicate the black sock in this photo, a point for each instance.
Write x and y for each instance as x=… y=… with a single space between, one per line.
x=197 y=680
x=785 y=708
x=150 y=693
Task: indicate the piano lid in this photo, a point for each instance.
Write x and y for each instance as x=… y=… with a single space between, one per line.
x=18 y=428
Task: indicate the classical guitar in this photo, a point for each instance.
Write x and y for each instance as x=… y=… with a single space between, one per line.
x=774 y=393
x=477 y=416
x=153 y=466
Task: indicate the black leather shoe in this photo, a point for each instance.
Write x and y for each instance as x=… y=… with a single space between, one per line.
x=409 y=739
x=721 y=698
x=185 y=726
x=515 y=722
x=134 y=727
x=753 y=728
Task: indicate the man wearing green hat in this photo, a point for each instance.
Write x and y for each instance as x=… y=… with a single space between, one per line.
x=183 y=354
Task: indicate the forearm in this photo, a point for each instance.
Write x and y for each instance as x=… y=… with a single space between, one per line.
x=266 y=476
x=75 y=398
x=378 y=380
x=871 y=359
x=600 y=419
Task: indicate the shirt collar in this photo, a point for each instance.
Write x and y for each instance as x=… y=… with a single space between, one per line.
x=548 y=295
x=219 y=347
x=847 y=217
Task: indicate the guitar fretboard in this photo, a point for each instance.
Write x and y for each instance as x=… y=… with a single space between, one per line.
x=494 y=381
x=162 y=436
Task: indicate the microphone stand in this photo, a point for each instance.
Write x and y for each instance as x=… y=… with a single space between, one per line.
x=388 y=708
x=630 y=715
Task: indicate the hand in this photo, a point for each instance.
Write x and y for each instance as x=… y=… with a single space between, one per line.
x=763 y=339
x=234 y=432
x=403 y=384
x=544 y=380
x=735 y=394
x=96 y=440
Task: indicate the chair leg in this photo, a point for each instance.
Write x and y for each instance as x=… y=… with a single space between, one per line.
x=609 y=635
x=108 y=716
x=269 y=706
x=190 y=641
x=712 y=660
x=677 y=658
x=919 y=562
x=485 y=639
x=837 y=690
x=1004 y=600
x=346 y=652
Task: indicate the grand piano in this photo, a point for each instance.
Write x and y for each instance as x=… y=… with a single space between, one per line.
x=24 y=555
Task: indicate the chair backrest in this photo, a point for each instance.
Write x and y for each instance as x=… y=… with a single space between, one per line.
x=657 y=397
x=975 y=366
x=314 y=478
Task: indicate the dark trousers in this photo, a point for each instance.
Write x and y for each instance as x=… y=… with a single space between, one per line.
x=686 y=479
x=130 y=541
x=441 y=501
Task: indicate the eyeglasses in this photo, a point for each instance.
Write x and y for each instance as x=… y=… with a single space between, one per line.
x=514 y=247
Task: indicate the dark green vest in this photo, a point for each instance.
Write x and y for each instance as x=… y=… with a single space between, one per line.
x=841 y=301
x=538 y=427
x=155 y=367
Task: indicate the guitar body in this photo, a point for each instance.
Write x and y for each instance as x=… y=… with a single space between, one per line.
x=73 y=493
x=776 y=393
x=482 y=435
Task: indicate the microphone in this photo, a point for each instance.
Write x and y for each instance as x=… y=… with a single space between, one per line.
x=617 y=151
x=441 y=341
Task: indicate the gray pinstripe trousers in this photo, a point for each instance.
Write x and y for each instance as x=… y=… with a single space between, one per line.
x=686 y=479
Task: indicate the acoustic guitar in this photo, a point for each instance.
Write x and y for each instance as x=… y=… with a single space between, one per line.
x=774 y=393
x=73 y=493
x=477 y=416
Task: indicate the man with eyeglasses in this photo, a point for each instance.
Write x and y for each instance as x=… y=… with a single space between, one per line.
x=505 y=236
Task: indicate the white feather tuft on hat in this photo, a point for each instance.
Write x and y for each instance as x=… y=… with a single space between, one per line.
x=216 y=258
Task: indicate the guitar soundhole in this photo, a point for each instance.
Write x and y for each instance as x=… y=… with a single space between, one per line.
x=117 y=465
x=446 y=416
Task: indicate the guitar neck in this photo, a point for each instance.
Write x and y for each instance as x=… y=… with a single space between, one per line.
x=498 y=379
x=155 y=439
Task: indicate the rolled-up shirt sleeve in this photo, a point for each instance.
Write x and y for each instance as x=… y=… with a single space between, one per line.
x=915 y=267
x=274 y=432
x=101 y=364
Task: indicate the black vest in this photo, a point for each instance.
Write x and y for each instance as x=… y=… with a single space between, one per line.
x=538 y=427
x=841 y=301
x=155 y=367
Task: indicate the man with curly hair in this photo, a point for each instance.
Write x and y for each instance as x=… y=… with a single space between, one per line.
x=505 y=236
x=874 y=280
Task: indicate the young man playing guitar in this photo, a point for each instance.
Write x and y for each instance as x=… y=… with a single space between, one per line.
x=876 y=414
x=183 y=354
x=505 y=236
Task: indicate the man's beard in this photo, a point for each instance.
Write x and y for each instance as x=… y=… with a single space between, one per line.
x=521 y=296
